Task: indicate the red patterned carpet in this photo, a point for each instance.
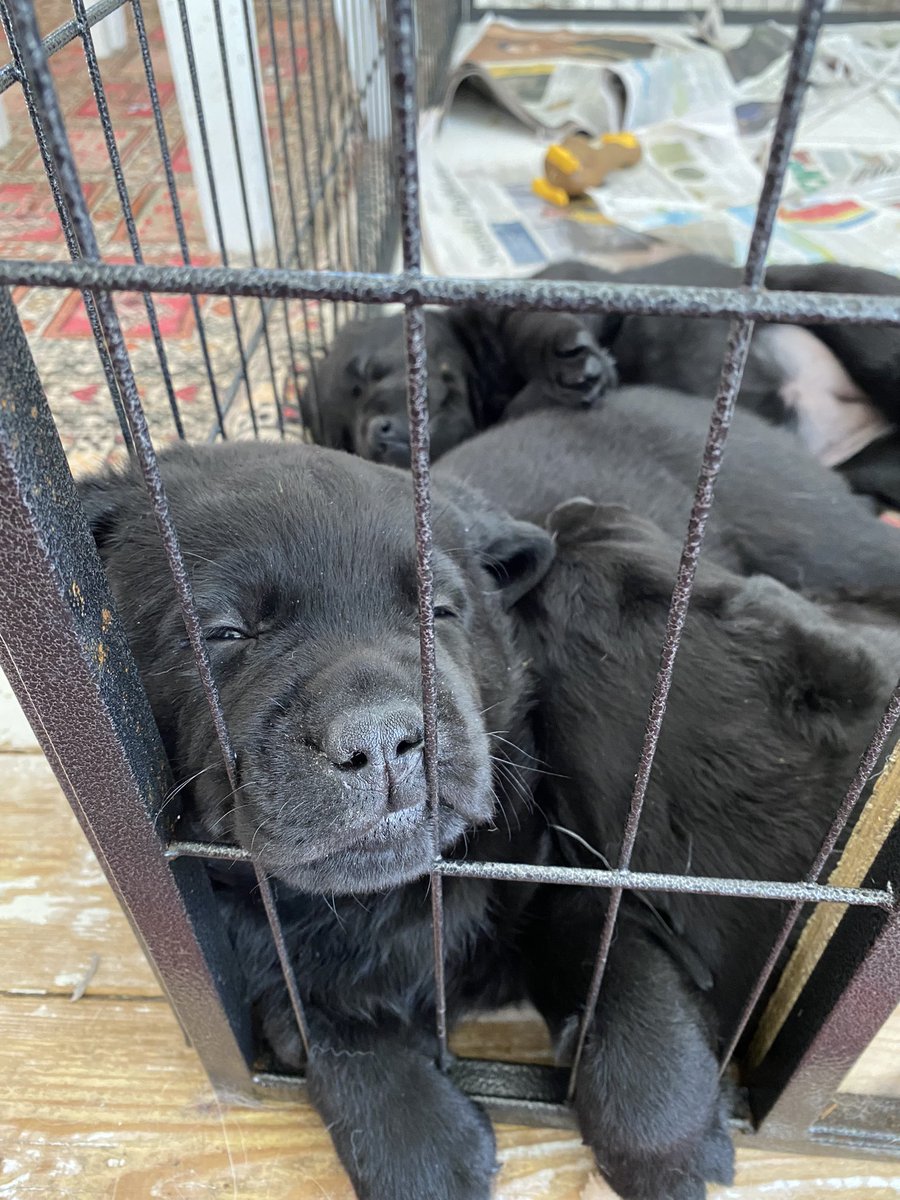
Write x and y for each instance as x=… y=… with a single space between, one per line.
x=57 y=322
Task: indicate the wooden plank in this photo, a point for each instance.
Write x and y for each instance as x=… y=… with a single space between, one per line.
x=113 y=1105
x=56 y=908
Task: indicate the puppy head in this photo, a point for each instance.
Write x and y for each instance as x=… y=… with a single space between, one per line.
x=302 y=564
x=753 y=641
x=360 y=401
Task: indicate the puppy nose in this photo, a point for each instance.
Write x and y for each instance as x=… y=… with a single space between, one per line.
x=385 y=427
x=375 y=739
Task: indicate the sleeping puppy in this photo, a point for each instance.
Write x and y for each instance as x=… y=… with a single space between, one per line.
x=777 y=511
x=835 y=385
x=482 y=366
x=771 y=705
x=302 y=563
x=773 y=701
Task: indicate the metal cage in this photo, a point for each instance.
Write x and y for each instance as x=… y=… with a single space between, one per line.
x=338 y=188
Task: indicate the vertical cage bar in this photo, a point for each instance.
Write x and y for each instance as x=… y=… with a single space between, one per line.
x=165 y=154
x=242 y=187
x=112 y=149
x=48 y=104
x=270 y=191
x=403 y=91
x=740 y=333
x=297 y=256
x=92 y=717
x=214 y=200
x=76 y=251
x=51 y=115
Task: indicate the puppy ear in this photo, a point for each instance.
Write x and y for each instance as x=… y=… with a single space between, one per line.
x=104 y=499
x=517 y=554
x=824 y=677
x=581 y=521
x=637 y=553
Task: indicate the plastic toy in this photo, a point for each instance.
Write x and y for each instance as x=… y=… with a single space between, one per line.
x=580 y=162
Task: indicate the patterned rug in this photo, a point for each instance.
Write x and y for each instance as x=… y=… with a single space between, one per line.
x=57 y=323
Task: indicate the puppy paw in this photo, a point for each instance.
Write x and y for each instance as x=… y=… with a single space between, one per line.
x=578 y=369
x=403 y=1129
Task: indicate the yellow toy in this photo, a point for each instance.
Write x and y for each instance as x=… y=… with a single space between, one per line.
x=579 y=163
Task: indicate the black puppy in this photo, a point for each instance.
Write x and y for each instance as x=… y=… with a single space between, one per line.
x=303 y=568
x=485 y=366
x=302 y=562
x=835 y=385
x=772 y=703
x=777 y=510
x=482 y=367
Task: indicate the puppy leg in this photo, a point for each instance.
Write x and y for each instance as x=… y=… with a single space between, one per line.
x=559 y=358
x=648 y=1097
x=402 y=1129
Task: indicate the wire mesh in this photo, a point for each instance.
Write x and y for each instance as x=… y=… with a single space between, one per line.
x=327 y=182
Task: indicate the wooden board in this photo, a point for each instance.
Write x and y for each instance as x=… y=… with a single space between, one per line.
x=101 y=1099
x=56 y=909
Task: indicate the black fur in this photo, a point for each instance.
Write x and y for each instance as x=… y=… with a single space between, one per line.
x=482 y=367
x=303 y=570
x=773 y=700
x=302 y=564
x=771 y=705
x=485 y=365
x=686 y=354
x=777 y=510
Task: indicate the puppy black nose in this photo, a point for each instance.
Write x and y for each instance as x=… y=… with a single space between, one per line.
x=381 y=740
x=385 y=427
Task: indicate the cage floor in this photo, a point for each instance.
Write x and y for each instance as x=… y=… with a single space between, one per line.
x=102 y=1099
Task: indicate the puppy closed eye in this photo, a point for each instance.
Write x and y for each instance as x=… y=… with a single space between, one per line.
x=226 y=633
x=443 y=612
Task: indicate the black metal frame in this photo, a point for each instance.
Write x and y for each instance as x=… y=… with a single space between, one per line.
x=67 y=657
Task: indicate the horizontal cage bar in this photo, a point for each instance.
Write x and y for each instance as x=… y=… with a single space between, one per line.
x=800 y=308
x=65 y=34
x=638 y=881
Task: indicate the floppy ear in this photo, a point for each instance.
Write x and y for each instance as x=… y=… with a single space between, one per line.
x=516 y=553
x=320 y=408
x=824 y=678
x=644 y=557
x=103 y=498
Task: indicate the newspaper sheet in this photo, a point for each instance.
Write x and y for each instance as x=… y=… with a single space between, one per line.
x=704 y=116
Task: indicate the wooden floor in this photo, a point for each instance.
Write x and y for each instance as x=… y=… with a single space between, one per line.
x=100 y=1097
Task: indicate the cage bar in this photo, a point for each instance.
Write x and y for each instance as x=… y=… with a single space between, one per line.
x=856 y=981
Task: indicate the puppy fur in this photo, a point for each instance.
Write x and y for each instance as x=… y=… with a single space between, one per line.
x=777 y=511
x=488 y=365
x=771 y=705
x=772 y=702
x=302 y=566
x=482 y=367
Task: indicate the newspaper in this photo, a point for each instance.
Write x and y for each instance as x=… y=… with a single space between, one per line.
x=563 y=79
x=704 y=116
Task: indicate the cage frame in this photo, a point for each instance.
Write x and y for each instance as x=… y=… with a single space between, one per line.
x=105 y=749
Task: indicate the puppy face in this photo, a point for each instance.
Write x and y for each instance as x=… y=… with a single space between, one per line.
x=302 y=563
x=361 y=391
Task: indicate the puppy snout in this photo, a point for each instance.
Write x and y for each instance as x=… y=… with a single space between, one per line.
x=384 y=742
